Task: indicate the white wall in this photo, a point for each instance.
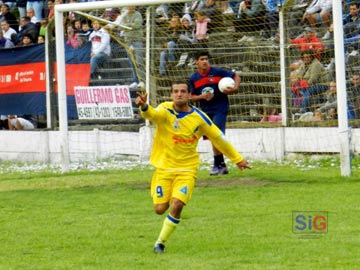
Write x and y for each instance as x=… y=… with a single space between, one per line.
x=254 y=143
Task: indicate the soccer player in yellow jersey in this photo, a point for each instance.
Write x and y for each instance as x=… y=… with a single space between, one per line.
x=179 y=127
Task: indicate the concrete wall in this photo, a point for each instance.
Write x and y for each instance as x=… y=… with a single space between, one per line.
x=254 y=143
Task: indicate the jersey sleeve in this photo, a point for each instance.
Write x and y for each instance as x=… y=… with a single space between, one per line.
x=220 y=142
x=153 y=114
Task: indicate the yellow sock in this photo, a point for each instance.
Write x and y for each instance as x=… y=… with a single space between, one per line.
x=168 y=227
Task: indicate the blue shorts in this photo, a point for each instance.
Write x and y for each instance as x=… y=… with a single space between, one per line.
x=219 y=120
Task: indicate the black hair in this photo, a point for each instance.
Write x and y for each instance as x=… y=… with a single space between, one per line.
x=84 y=21
x=29 y=36
x=201 y=53
x=26 y=18
x=354 y=3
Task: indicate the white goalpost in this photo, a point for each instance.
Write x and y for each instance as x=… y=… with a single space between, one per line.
x=343 y=124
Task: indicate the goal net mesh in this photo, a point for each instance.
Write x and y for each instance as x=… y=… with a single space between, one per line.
x=163 y=50
x=245 y=41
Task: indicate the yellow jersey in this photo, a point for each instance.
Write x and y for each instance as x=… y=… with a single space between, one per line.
x=177 y=135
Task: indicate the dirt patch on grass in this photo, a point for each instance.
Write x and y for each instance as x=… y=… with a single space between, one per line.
x=246 y=182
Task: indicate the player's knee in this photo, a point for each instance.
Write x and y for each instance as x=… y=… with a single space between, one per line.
x=160 y=208
x=159 y=211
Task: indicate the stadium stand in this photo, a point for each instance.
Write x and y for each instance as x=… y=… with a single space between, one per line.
x=255 y=58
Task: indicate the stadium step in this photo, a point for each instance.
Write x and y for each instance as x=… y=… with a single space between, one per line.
x=123 y=73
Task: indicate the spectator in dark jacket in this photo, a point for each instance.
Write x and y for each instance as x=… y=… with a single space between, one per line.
x=351 y=21
x=27 y=27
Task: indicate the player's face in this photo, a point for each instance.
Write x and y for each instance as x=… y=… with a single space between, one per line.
x=180 y=95
x=202 y=62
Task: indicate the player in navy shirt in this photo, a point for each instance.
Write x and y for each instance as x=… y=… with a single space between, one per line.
x=204 y=89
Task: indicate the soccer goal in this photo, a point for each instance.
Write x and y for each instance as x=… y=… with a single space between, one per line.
x=97 y=7
x=271 y=115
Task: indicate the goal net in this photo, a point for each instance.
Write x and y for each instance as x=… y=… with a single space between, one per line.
x=151 y=45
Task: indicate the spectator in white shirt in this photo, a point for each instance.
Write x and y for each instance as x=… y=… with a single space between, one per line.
x=30 y=12
x=100 y=47
x=318 y=13
x=5 y=43
x=7 y=30
x=19 y=123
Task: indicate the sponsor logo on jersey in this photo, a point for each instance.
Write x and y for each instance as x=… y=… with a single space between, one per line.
x=178 y=140
x=207 y=90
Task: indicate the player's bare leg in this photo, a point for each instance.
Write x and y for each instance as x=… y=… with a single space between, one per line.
x=170 y=222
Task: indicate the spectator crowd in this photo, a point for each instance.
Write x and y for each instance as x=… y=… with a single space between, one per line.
x=188 y=27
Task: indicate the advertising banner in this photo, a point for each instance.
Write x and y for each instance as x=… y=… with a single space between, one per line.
x=103 y=102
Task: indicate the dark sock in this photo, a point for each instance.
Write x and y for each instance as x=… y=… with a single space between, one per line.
x=219 y=161
x=222 y=162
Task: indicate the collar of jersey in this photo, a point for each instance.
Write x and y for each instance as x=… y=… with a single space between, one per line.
x=180 y=114
x=206 y=72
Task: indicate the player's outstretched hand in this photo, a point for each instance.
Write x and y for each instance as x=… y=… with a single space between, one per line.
x=243 y=165
x=141 y=99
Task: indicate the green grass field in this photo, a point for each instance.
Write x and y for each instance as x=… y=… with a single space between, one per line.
x=104 y=220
